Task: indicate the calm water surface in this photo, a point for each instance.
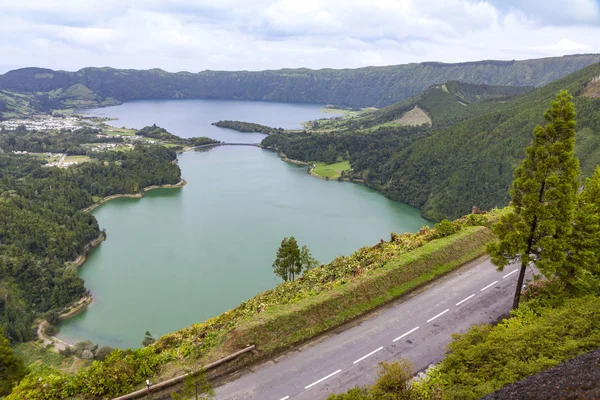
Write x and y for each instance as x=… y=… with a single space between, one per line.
x=189 y=118
x=180 y=256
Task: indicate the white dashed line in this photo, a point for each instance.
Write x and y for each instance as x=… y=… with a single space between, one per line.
x=439 y=315
x=322 y=379
x=509 y=274
x=285 y=398
x=463 y=300
x=368 y=355
x=489 y=286
x=406 y=334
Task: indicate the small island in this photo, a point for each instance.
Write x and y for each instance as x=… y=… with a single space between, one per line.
x=241 y=126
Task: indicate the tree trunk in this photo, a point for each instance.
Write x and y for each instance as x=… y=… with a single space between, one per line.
x=517 y=298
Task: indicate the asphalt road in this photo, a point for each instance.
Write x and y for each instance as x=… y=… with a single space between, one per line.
x=417 y=327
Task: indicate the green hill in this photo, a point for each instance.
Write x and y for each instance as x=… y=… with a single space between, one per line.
x=439 y=105
x=446 y=170
x=362 y=87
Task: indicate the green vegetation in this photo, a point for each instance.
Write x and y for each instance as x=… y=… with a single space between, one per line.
x=53 y=142
x=42 y=226
x=148 y=339
x=77 y=159
x=12 y=367
x=446 y=104
x=363 y=87
x=393 y=383
x=331 y=171
x=195 y=384
x=543 y=198
x=42 y=361
x=466 y=158
x=560 y=318
x=487 y=357
x=248 y=127
x=156 y=132
x=294 y=311
x=291 y=260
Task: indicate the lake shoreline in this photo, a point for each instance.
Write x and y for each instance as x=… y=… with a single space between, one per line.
x=310 y=166
x=139 y=195
x=81 y=304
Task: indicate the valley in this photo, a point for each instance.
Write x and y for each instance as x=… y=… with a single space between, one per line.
x=190 y=266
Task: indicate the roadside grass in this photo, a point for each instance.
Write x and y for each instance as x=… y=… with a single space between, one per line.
x=283 y=326
x=331 y=171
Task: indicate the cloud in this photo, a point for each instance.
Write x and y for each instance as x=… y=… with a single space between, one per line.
x=268 y=34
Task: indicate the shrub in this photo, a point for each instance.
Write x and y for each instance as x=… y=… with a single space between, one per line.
x=52 y=318
x=487 y=357
x=103 y=352
x=50 y=330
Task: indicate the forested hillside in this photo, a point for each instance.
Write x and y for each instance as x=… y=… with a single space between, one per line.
x=444 y=104
x=42 y=225
x=362 y=87
x=467 y=160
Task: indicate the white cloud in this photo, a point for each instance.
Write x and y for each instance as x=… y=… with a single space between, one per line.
x=266 y=34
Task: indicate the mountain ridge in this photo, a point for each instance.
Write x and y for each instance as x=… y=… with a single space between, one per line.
x=361 y=87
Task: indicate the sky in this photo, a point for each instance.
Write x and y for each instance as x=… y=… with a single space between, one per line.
x=180 y=35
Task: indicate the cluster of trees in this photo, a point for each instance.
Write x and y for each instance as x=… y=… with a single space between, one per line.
x=53 y=142
x=553 y=225
x=241 y=126
x=42 y=226
x=156 y=132
x=12 y=368
x=291 y=260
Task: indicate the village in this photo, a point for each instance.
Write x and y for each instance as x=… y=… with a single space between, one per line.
x=43 y=123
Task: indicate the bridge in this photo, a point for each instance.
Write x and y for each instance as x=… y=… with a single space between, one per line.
x=226 y=144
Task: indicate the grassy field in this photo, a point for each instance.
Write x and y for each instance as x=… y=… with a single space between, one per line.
x=43 y=361
x=331 y=171
x=112 y=131
x=76 y=159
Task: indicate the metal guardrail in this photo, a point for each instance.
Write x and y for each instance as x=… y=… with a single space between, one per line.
x=161 y=385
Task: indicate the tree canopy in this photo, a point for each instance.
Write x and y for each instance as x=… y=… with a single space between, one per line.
x=291 y=261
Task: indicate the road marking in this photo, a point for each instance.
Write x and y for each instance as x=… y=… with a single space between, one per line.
x=463 y=300
x=439 y=315
x=407 y=333
x=322 y=379
x=490 y=285
x=509 y=274
x=368 y=355
x=285 y=398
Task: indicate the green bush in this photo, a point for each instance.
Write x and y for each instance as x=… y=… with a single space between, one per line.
x=487 y=357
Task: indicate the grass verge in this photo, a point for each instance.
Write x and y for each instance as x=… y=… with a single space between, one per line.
x=283 y=326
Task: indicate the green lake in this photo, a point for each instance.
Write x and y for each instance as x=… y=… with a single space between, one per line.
x=179 y=256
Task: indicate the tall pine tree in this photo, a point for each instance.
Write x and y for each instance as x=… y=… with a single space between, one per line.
x=543 y=198
x=581 y=272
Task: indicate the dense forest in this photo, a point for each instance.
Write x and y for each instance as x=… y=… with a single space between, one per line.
x=463 y=160
x=363 y=87
x=42 y=226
